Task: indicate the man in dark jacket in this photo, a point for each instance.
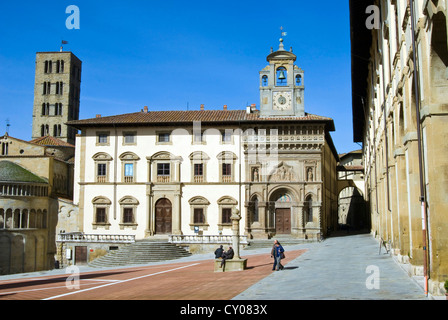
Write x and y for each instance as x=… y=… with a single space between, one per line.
x=219 y=252
x=226 y=256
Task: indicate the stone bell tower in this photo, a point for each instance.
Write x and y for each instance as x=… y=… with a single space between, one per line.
x=282 y=85
x=57 y=91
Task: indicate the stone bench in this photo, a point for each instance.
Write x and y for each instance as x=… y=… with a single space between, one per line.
x=230 y=265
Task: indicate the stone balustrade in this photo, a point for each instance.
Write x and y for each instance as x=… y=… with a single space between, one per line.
x=82 y=237
x=204 y=239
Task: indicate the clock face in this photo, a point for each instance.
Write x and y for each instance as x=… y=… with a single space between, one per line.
x=282 y=101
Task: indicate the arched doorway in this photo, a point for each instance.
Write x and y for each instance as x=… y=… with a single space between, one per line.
x=163 y=216
x=281 y=204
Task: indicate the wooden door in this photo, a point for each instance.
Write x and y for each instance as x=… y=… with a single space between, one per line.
x=80 y=255
x=163 y=216
x=283 y=221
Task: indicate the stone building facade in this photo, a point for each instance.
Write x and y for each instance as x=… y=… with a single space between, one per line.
x=182 y=173
x=57 y=90
x=403 y=129
x=33 y=177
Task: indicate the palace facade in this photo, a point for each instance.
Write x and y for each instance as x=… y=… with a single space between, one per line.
x=183 y=173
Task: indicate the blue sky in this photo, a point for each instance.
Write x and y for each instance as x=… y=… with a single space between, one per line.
x=172 y=54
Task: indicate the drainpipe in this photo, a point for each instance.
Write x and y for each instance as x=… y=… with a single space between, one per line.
x=420 y=157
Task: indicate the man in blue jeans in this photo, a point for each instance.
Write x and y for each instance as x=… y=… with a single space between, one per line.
x=277 y=252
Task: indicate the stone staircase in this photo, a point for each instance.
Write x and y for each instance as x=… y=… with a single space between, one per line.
x=141 y=252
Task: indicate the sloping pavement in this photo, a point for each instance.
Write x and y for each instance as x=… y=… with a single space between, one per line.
x=339 y=268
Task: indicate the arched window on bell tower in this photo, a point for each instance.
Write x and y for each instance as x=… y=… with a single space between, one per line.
x=282 y=77
x=264 y=81
x=298 y=80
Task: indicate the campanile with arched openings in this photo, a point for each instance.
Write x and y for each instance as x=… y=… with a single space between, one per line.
x=282 y=85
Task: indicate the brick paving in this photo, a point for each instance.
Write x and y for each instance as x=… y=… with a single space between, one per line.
x=192 y=280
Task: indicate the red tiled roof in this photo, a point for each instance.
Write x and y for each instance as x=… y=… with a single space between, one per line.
x=204 y=116
x=51 y=141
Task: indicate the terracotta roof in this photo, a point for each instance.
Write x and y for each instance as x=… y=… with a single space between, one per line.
x=204 y=116
x=51 y=141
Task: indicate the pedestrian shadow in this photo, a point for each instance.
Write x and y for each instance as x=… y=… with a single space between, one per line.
x=290 y=268
x=258 y=266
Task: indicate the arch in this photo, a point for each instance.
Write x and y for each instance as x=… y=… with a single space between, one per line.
x=264 y=81
x=439 y=59
x=102 y=156
x=128 y=200
x=101 y=200
x=279 y=191
x=164 y=155
x=198 y=200
x=227 y=155
x=199 y=156
x=282 y=76
x=227 y=200
x=254 y=207
x=352 y=211
x=129 y=156
x=308 y=208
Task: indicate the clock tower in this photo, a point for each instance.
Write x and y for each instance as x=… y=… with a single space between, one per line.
x=282 y=86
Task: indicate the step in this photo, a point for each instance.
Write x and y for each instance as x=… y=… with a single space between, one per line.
x=141 y=252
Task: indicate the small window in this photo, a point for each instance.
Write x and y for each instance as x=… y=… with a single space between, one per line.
x=128 y=215
x=163 y=169
x=199 y=217
x=226 y=214
x=102 y=138
x=164 y=137
x=226 y=169
x=129 y=138
x=198 y=169
x=129 y=170
x=102 y=169
x=101 y=215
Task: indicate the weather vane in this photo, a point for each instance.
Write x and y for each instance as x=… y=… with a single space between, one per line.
x=283 y=34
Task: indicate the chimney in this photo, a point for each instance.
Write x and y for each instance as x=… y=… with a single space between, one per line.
x=225 y=107
x=98 y=116
x=202 y=107
x=248 y=110
x=253 y=107
x=145 y=109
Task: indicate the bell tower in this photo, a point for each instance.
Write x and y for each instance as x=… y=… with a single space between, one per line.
x=56 y=95
x=282 y=85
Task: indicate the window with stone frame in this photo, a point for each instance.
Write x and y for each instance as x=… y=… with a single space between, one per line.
x=101 y=206
x=226 y=205
x=128 y=209
x=102 y=163
x=198 y=207
x=227 y=161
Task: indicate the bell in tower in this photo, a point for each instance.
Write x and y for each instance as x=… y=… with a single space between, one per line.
x=282 y=85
